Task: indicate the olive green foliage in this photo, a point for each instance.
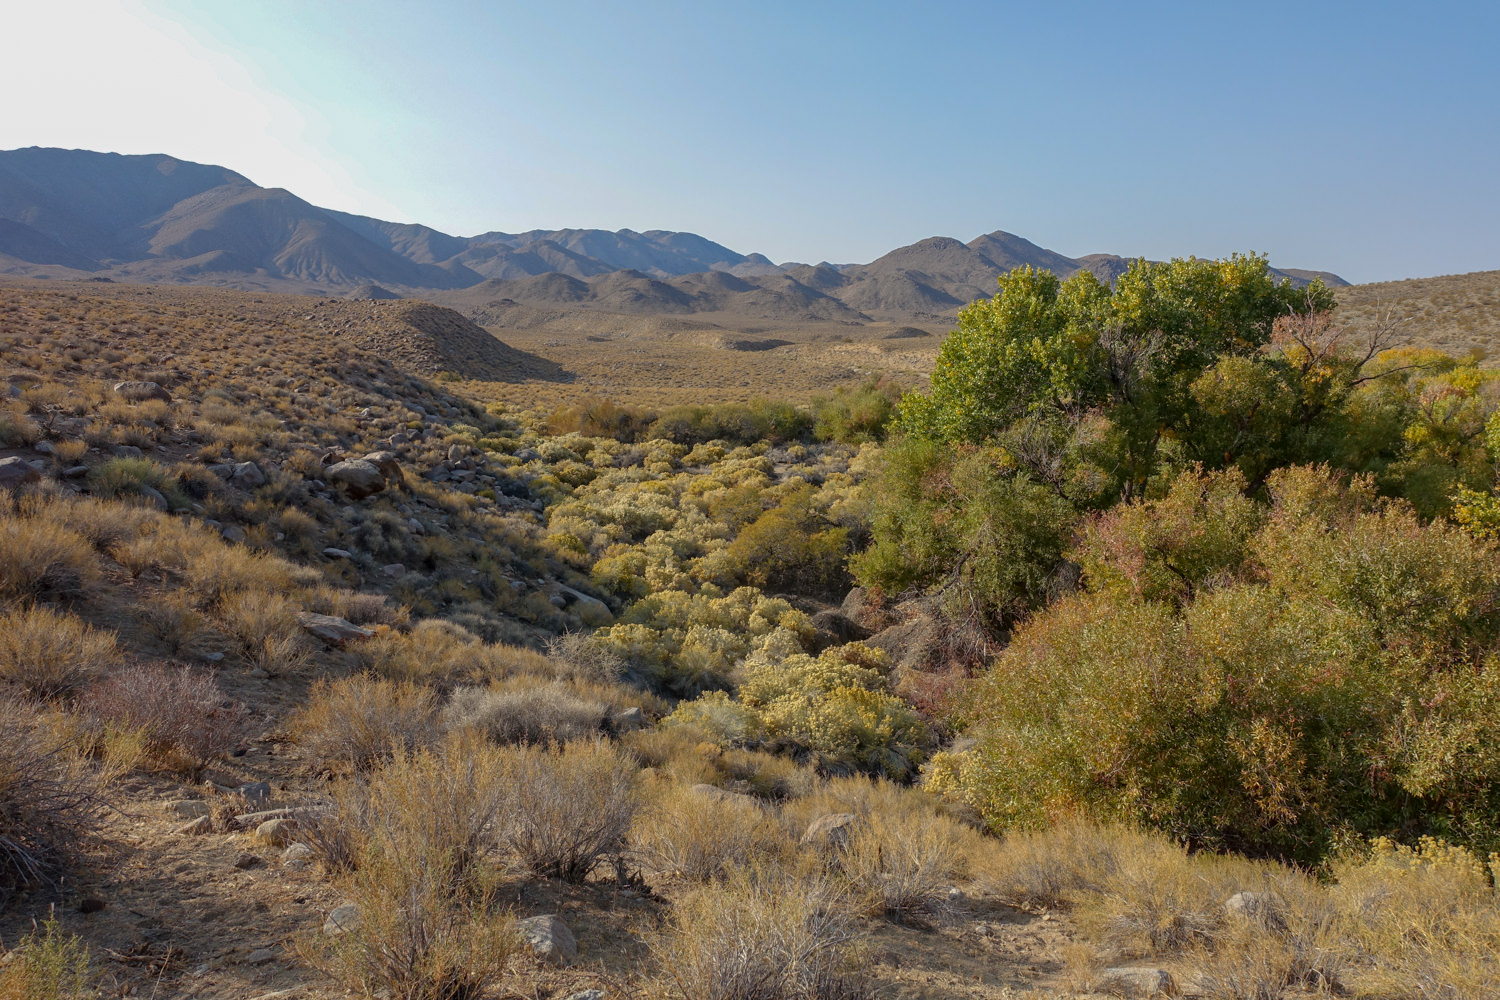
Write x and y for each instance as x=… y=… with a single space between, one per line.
x=1266 y=678
x=854 y=416
x=762 y=420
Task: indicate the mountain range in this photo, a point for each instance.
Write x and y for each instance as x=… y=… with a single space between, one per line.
x=157 y=219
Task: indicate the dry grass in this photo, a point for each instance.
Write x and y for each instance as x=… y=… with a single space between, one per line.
x=1457 y=313
x=40 y=558
x=538 y=713
x=49 y=964
x=184 y=716
x=686 y=834
x=358 y=722
x=49 y=653
x=48 y=800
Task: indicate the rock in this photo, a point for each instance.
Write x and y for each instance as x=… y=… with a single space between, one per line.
x=1262 y=907
x=91 y=904
x=393 y=570
x=155 y=496
x=331 y=457
x=196 y=828
x=586 y=995
x=233 y=533
x=222 y=469
x=276 y=832
x=342 y=919
x=457 y=452
x=126 y=451
x=44 y=448
x=75 y=472
x=549 y=938
x=330 y=629
x=260 y=956
x=139 y=392
x=246 y=860
x=247 y=476
x=590 y=610
x=334 y=553
x=389 y=468
x=357 y=478
x=16 y=472
x=831 y=830
x=255 y=792
x=188 y=808
x=629 y=720
x=955 y=896
x=297 y=856
x=1136 y=981
x=415 y=526
x=838 y=628
x=911 y=645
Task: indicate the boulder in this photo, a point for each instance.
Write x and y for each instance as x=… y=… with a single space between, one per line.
x=389 y=468
x=126 y=451
x=255 y=792
x=830 y=831
x=549 y=938
x=335 y=553
x=188 y=808
x=839 y=628
x=155 y=496
x=356 y=477
x=1262 y=907
x=276 y=832
x=342 y=919
x=590 y=610
x=16 y=472
x=246 y=476
x=330 y=629
x=138 y=392
x=196 y=828
x=1136 y=981
x=629 y=720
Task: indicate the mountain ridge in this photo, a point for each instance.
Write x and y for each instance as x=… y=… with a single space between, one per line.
x=157 y=219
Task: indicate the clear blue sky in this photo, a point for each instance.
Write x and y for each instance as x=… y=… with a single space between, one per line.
x=1359 y=137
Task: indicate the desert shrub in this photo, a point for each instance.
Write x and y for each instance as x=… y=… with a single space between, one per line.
x=49 y=653
x=689 y=834
x=48 y=800
x=48 y=964
x=760 y=936
x=857 y=415
x=537 y=713
x=359 y=721
x=434 y=649
x=126 y=477
x=1058 y=865
x=791 y=548
x=569 y=807
x=40 y=557
x=579 y=656
x=734 y=422
x=597 y=417
x=265 y=625
x=427 y=927
x=186 y=719
x=902 y=862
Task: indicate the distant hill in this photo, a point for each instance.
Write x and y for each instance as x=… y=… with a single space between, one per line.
x=157 y=219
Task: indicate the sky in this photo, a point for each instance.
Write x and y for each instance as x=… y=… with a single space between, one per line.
x=1362 y=138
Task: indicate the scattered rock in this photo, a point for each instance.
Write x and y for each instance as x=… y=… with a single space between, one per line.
x=342 y=919
x=629 y=720
x=75 y=472
x=334 y=553
x=393 y=570
x=188 y=808
x=44 y=448
x=260 y=956
x=586 y=995
x=831 y=830
x=247 y=476
x=276 y=832
x=255 y=792
x=1262 y=907
x=1136 y=981
x=550 y=939
x=91 y=904
x=16 y=471
x=457 y=452
x=246 y=860
x=155 y=496
x=415 y=526
x=330 y=629
x=139 y=392
x=233 y=533
x=357 y=478
x=126 y=451
x=590 y=610
x=385 y=461
x=297 y=856
x=196 y=828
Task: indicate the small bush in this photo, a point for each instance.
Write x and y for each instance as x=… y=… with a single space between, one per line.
x=902 y=863
x=48 y=799
x=531 y=714
x=48 y=964
x=357 y=722
x=186 y=718
x=125 y=477
x=570 y=807
x=692 y=835
x=41 y=558
x=760 y=936
x=49 y=653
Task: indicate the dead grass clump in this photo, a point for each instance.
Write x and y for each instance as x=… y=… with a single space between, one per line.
x=687 y=834
x=569 y=808
x=355 y=723
x=1300 y=952
x=187 y=720
x=902 y=863
x=266 y=626
x=577 y=656
x=48 y=799
x=433 y=650
x=42 y=558
x=49 y=653
x=538 y=713
x=1057 y=866
x=760 y=936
